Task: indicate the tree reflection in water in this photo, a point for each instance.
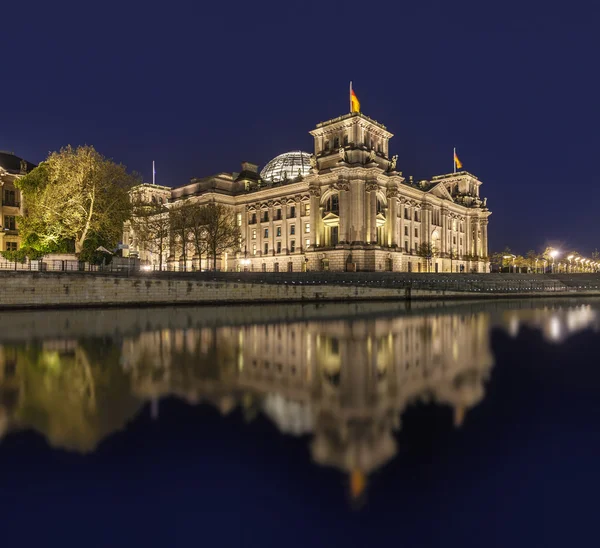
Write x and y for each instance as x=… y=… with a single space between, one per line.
x=344 y=382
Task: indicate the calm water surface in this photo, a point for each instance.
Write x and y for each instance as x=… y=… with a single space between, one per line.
x=338 y=425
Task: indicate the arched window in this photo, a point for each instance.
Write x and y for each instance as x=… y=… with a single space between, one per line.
x=332 y=205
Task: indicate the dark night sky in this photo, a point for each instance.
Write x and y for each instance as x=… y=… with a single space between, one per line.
x=200 y=88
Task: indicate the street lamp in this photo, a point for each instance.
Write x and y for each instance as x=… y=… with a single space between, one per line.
x=570 y=267
x=536 y=262
x=513 y=257
x=553 y=254
x=577 y=259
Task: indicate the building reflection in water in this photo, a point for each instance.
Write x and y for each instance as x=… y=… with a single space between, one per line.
x=343 y=383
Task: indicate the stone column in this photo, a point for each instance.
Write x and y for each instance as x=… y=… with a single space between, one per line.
x=401 y=223
x=344 y=215
x=484 y=238
x=371 y=189
x=392 y=217
x=285 y=229
x=468 y=241
x=315 y=234
x=299 y=236
x=271 y=230
x=444 y=236
x=475 y=233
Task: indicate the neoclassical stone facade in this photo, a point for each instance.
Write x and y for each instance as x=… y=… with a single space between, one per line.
x=343 y=207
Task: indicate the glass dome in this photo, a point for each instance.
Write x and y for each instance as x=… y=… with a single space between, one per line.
x=286 y=166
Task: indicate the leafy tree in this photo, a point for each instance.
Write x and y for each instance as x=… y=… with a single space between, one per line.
x=532 y=260
x=222 y=232
x=521 y=263
x=74 y=194
x=427 y=252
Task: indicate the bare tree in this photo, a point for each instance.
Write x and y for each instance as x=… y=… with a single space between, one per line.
x=180 y=218
x=222 y=232
x=427 y=251
x=198 y=232
x=151 y=224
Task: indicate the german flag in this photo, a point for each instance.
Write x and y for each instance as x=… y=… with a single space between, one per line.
x=457 y=162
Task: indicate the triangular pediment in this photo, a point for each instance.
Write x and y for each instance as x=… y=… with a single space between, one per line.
x=440 y=191
x=331 y=219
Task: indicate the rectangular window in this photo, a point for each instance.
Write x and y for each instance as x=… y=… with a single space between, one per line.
x=293 y=211
x=307 y=242
x=416 y=216
x=254 y=249
x=416 y=232
x=254 y=234
x=454 y=240
x=278 y=247
x=292 y=246
x=253 y=221
x=265 y=216
x=266 y=248
x=461 y=241
x=239 y=219
x=278 y=233
x=10 y=222
x=266 y=232
x=406 y=231
x=278 y=216
x=11 y=246
x=406 y=214
x=9 y=198
x=406 y=246
x=307 y=209
x=292 y=229
x=307 y=228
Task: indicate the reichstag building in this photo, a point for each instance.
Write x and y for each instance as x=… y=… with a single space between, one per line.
x=344 y=207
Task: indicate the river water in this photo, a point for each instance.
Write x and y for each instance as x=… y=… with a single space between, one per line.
x=431 y=424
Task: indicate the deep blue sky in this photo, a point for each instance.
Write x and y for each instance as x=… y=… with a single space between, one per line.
x=199 y=88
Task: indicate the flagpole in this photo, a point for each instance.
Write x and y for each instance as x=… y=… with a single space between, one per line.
x=454 y=159
x=153 y=173
x=350 y=97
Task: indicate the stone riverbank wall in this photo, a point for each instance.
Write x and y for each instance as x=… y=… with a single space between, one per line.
x=55 y=290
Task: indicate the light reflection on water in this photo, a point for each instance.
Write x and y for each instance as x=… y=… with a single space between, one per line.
x=343 y=375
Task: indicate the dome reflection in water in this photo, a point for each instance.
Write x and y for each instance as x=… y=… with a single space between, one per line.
x=341 y=374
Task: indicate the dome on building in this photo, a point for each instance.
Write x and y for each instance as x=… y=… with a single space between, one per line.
x=286 y=166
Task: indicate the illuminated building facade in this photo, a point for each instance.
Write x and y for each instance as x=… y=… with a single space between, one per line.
x=344 y=207
x=11 y=168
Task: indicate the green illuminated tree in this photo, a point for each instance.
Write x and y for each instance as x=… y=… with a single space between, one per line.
x=75 y=194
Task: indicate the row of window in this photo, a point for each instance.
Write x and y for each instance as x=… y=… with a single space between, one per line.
x=278 y=231
x=278 y=248
x=334 y=143
x=264 y=216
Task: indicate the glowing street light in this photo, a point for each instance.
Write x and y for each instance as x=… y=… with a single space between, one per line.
x=570 y=265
